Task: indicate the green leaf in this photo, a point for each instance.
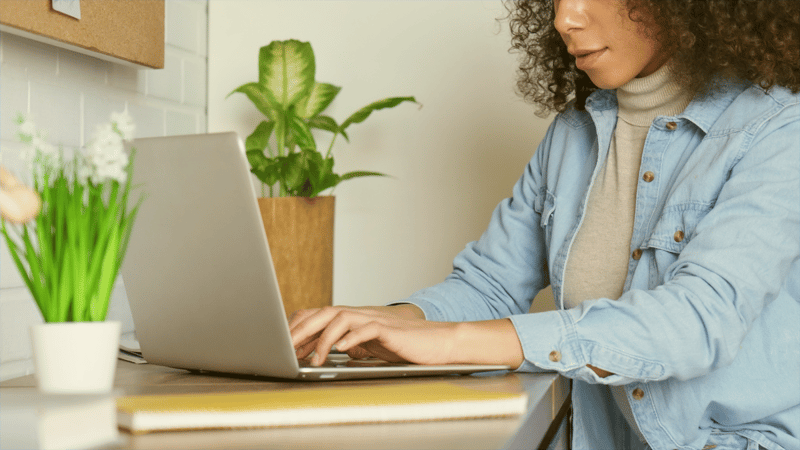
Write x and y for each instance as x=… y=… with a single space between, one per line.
x=327 y=165
x=44 y=224
x=262 y=167
x=98 y=309
x=293 y=171
x=261 y=99
x=65 y=286
x=301 y=133
x=286 y=71
x=321 y=96
x=361 y=173
x=108 y=219
x=258 y=161
x=14 y=250
x=79 y=221
x=61 y=195
x=127 y=224
x=361 y=115
x=323 y=123
x=331 y=180
x=326 y=180
x=39 y=291
x=259 y=138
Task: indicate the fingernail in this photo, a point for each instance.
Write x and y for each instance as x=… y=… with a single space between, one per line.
x=341 y=345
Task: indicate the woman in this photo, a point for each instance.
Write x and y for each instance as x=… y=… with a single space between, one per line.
x=663 y=208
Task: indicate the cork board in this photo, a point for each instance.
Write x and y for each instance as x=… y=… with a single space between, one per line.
x=129 y=31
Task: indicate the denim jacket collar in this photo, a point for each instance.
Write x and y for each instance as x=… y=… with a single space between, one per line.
x=703 y=111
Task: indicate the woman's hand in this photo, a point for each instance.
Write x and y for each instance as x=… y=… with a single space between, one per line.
x=367 y=331
x=398 y=333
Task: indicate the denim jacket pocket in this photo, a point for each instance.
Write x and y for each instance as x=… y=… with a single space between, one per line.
x=670 y=235
x=676 y=226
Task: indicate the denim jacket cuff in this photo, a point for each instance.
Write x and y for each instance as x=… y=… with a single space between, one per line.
x=428 y=308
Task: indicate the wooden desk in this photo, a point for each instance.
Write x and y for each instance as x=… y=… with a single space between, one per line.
x=546 y=392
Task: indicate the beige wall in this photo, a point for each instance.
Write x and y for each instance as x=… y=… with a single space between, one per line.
x=452 y=160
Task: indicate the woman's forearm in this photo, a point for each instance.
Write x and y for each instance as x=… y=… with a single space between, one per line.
x=488 y=342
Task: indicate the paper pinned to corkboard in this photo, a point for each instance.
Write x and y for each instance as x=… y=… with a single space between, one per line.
x=71 y=8
x=118 y=30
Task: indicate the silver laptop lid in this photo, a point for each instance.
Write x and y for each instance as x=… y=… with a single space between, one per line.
x=198 y=272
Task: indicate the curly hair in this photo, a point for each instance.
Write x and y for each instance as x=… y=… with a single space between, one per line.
x=710 y=40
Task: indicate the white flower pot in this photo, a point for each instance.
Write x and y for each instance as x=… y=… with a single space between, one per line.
x=75 y=357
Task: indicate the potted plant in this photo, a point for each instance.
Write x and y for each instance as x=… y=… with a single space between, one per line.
x=70 y=254
x=284 y=156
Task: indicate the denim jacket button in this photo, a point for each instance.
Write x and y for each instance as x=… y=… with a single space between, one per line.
x=671 y=126
x=679 y=236
x=648 y=176
x=637 y=394
x=637 y=254
x=555 y=356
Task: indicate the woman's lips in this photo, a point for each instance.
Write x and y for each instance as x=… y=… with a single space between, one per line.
x=586 y=60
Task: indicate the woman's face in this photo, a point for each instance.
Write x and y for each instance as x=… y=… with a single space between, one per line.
x=607 y=45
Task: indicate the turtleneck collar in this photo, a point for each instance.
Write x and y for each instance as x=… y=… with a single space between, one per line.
x=643 y=99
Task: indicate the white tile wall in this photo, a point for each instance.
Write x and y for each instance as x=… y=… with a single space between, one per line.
x=68 y=94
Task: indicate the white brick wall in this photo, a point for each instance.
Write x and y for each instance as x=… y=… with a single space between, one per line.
x=68 y=94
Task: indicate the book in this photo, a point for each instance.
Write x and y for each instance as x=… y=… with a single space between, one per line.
x=314 y=406
x=129 y=345
x=129 y=350
x=135 y=358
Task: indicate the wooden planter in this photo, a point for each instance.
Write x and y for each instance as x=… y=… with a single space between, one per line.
x=300 y=235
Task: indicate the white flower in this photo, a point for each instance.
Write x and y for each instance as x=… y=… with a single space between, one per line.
x=123 y=122
x=39 y=151
x=46 y=150
x=27 y=129
x=104 y=158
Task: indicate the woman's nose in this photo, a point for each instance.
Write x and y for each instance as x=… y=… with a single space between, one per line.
x=570 y=15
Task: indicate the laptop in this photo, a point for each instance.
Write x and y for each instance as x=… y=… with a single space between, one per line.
x=199 y=276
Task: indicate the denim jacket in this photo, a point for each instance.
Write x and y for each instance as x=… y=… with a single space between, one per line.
x=706 y=336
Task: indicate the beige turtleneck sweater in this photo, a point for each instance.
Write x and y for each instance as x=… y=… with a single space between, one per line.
x=597 y=266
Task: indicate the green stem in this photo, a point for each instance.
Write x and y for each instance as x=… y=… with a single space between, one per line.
x=330 y=147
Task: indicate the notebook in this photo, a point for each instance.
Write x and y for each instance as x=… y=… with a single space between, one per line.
x=199 y=276
x=312 y=406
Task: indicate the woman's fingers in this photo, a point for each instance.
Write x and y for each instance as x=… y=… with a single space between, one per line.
x=306 y=325
x=361 y=332
x=342 y=323
x=304 y=350
x=358 y=352
x=358 y=336
x=300 y=315
x=312 y=330
x=372 y=338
